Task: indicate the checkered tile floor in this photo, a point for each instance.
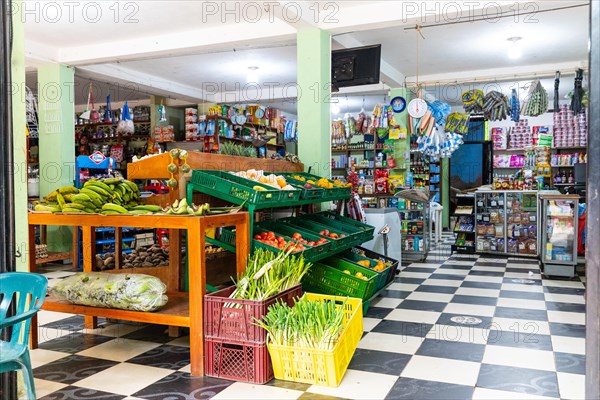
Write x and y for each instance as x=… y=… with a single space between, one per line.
x=460 y=327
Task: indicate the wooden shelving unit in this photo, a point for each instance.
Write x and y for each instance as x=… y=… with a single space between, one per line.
x=183 y=309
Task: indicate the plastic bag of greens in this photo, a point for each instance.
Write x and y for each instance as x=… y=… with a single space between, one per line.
x=135 y=292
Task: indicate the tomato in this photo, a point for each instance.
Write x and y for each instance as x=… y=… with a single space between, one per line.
x=326 y=232
x=263 y=235
x=257 y=237
x=271 y=235
x=333 y=235
x=312 y=244
x=342 y=235
x=280 y=239
x=296 y=236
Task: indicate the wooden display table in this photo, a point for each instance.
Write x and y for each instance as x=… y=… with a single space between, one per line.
x=183 y=309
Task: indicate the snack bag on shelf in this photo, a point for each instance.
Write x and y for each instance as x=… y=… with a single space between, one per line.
x=381 y=181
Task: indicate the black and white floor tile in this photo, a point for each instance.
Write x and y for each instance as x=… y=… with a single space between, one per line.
x=451 y=327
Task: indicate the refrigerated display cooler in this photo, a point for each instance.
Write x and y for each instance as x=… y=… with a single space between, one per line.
x=507 y=222
x=559 y=234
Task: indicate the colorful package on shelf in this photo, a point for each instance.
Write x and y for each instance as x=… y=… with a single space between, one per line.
x=116 y=152
x=536 y=132
x=517 y=161
x=570 y=130
x=381 y=181
x=499 y=138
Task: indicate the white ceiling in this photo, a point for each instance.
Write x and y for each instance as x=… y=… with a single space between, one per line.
x=173 y=50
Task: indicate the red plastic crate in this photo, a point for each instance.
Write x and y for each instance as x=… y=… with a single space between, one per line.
x=242 y=362
x=236 y=323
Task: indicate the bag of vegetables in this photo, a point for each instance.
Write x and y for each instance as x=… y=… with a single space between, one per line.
x=135 y=292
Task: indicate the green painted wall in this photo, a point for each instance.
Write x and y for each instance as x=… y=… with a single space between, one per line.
x=19 y=139
x=314 y=99
x=57 y=138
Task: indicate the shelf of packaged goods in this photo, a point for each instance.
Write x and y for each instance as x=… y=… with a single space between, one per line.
x=568 y=184
x=340 y=151
x=119 y=138
x=238 y=140
x=247 y=124
x=570 y=148
x=508 y=167
x=459 y=231
x=405 y=210
x=508 y=150
x=563 y=166
x=559 y=215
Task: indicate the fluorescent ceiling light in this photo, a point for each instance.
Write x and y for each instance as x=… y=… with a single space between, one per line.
x=252 y=76
x=514 y=51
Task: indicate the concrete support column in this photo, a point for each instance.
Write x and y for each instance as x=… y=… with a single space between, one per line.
x=314 y=100
x=19 y=139
x=57 y=138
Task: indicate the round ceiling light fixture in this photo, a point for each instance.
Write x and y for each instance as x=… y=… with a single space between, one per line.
x=335 y=109
x=252 y=76
x=514 y=51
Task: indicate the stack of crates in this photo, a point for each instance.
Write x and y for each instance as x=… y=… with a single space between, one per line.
x=234 y=346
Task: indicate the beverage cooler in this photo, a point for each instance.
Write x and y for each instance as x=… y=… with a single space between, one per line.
x=559 y=234
x=507 y=222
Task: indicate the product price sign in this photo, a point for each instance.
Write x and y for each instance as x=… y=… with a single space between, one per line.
x=494 y=203
x=97 y=157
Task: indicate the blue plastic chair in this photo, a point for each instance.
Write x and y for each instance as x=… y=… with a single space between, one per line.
x=31 y=291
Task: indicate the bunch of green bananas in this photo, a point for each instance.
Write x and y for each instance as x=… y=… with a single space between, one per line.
x=181 y=207
x=105 y=196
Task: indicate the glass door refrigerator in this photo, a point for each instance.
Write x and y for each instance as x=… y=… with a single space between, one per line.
x=560 y=234
x=507 y=222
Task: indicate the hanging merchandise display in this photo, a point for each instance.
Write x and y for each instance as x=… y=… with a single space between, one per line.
x=473 y=101
x=432 y=140
x=578 y=96
x=495 y=106
x=514 y=106
x=108 y=114
x=556 y=86
x=290 y=133
x=536 y=102
x=383 y=119
x=162 y=112
x=125 y=125
x=457 y=123
x=350 y=125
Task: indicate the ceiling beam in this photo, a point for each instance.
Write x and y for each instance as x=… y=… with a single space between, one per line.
x=198 y=41
x=497 y=74
x=386 y=14
x=137 y=81
x=391 y=76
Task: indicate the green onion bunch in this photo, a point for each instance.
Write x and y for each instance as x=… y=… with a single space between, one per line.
x=314 y=324
x=268 y=274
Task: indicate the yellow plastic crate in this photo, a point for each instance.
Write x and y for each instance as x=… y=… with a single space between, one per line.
x=321 y=367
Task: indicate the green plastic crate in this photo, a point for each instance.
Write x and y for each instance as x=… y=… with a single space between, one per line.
x=394 y=264
x=382 y=276
x=350 y=239
x=333 y=193
x=311 y=253
x=365 y=231
x=316 y=193
x=285 y=229
x=330 y=279
x=237 y=189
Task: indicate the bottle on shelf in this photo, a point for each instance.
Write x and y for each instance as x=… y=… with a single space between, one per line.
x=571 y=178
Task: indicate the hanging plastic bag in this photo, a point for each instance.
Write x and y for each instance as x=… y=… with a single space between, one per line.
x=94 y=115
x=108 y=114
x=125 y=126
